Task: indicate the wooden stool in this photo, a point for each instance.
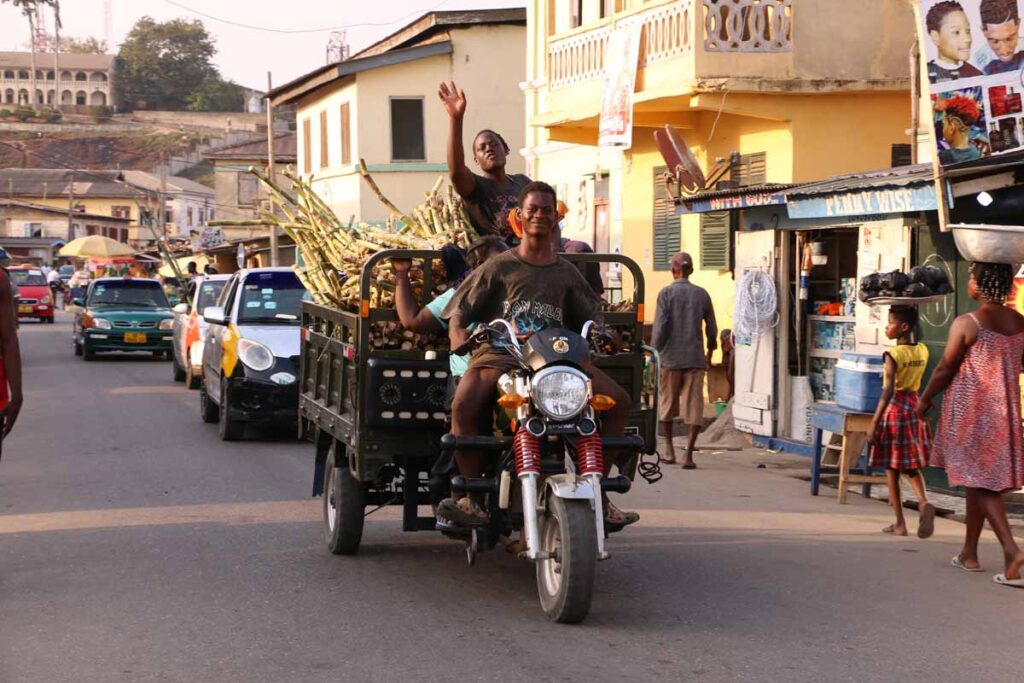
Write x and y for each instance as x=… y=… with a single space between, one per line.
x=853 y=427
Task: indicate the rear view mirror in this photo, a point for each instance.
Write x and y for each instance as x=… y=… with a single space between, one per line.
x=181 y=309
x=214 y=315
x=79 y=302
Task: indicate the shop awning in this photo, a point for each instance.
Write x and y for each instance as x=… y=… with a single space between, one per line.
x=904 y=189
x=730 y=199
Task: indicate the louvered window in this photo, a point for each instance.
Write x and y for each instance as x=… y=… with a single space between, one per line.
x=752 y=169
x=666 y=223
x=715 y=240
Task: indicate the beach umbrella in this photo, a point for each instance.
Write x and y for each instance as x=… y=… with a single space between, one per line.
x=96 y=246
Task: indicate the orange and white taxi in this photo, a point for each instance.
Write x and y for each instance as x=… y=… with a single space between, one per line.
x=190 y=328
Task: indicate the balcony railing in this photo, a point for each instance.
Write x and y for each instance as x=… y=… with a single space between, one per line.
x=669 y=31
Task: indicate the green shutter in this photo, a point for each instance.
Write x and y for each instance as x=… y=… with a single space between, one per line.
x=715 y=241
x=666 y=231
x=752 y=169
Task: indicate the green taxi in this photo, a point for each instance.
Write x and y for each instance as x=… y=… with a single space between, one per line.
x=123 y=314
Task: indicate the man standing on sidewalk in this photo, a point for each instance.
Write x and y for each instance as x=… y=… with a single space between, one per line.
x=679 y=339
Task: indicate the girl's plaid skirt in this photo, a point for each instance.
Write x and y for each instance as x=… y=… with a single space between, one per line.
x=904 y=441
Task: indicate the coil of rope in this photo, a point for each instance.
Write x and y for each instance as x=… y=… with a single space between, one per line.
x=757 y=306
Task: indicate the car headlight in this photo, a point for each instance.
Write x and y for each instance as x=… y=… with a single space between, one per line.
x=101 y=323
x=560 y=393
x=255 y=355
x=45 y=299
x=167 y=324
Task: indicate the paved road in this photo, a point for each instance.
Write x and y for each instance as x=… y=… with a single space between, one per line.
x=135 y=546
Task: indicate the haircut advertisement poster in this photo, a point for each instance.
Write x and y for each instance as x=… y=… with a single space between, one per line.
x=975 y=68
x=620 y=61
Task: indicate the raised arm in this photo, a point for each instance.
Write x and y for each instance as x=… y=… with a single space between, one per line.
x=11 y=353
x=454 y=101
x=410 y=314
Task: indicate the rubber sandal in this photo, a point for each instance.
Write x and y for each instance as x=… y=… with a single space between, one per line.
x=926 y=524
x=1003 y=581
x=666 y=461
x=959 y=564
x=625 y=518
x=449 y=509
x=689 y=465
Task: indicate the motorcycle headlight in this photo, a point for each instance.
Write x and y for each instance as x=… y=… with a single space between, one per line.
x=255 y=355
x=101 y=323
x=167 y=324
x=560 y=393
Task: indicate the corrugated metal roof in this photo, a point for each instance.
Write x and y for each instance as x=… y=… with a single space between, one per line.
x=285 y=150
x=16 y=203
x=901 y=176
x=737 y=191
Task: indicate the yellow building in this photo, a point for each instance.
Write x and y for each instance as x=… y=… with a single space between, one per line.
x=799 y=90
x=381 y=106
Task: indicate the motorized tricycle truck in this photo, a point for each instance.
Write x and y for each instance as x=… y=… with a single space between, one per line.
x=378 y=418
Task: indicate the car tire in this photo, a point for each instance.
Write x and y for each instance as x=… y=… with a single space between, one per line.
x=88 y=354
x=78 y=348
x=191 y=379
x=230 y=429
x=207 y=409
x=178 y=372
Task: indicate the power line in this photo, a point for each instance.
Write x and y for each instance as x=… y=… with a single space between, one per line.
x=303 y=30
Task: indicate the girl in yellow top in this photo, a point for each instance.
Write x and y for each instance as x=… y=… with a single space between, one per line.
x=899 y=440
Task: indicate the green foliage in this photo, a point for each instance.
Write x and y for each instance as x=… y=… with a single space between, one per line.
x=216 y=94
x=101 y=113
x=161 y=64
x=6 y=113
x=89 y=45
x=23 y=113
x=51 y=115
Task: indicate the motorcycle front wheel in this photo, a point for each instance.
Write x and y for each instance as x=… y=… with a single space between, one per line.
x=565 y=582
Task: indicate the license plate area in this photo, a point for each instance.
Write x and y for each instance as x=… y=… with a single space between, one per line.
x=25 y=309
x=135 y=337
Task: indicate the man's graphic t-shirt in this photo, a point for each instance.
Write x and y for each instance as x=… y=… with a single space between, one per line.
x=532 y=298
x=998 y=66
x=938 y=73
x=489 y=205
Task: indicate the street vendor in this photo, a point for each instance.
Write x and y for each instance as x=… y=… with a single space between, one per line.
x=490 y=195
x=532 y=288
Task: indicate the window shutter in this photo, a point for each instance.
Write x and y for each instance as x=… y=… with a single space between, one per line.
x=666 y=231
x=346 y=132
x=325 y=161
x=307 y=147
x=752 y=169
x=715 y=241
x=902 y=155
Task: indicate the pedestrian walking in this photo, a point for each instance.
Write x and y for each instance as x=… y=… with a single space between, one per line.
x=979 y=438
x=10 y=361
x=900 y=441
x=683 y=308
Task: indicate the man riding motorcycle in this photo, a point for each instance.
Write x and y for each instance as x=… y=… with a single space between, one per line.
x=532 y=288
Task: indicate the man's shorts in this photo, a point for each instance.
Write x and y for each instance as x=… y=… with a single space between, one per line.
x=681 y=394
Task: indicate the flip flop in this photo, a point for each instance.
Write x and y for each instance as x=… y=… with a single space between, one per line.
x=926 y=523
x=959 y=564
x=666 y=461
x=450 y=510
x=689 y=466
x=891 y=529
x=1003 y=581
x=626 y=519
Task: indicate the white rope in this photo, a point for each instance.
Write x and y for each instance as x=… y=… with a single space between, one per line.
x=756 y=309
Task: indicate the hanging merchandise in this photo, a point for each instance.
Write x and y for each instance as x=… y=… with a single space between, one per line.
x=923 y=285
x=756 y=309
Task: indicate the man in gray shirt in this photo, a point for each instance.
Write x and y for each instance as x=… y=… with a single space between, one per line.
x=682 y=308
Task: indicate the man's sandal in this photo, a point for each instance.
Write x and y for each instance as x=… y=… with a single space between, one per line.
x=463 y=512
x=616 y=519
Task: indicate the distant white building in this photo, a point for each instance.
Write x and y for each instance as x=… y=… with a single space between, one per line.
x=82 y=80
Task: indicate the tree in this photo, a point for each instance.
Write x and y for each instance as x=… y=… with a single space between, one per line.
x=161 y=64
x=217 y=94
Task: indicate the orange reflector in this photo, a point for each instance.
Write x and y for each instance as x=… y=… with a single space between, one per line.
x=365 y=308
x=513 y=424
x=512 y=400
x=602 y=402
x=639 y=313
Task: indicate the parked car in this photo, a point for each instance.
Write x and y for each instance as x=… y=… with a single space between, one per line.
x=251 y=352
x=190 y=328
x=34 y=299
x=123 y=314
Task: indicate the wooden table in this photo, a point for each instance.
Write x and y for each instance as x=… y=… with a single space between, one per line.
x=854 y=427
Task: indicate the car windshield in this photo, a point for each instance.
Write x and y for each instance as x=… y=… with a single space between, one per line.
x=208 y=293
x=274 y=297
x=28 y=278
x=130 y=293
x=66 y=270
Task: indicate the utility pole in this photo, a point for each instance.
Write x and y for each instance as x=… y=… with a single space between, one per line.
x=71 y=207
x=162 y=215
x=270 y=168
x=56 y=60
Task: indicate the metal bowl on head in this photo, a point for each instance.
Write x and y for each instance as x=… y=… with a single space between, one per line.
x=990 y=243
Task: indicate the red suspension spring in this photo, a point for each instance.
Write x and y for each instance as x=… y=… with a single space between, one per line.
x=590 y=454
x=527 y=449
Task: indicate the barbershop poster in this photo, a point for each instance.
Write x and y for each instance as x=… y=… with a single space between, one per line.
x=975 y=69
x=620 y=62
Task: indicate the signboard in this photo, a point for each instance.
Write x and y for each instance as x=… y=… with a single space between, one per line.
x=974 y=60
x=864 y=203
x=207 y=238
x=620 y=61
x=731 y=203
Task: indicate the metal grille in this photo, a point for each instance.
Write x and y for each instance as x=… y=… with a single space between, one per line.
x=148 y=324
x=121 y=323
x=28 y=301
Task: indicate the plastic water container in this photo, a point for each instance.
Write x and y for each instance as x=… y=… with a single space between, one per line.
x=859 y=381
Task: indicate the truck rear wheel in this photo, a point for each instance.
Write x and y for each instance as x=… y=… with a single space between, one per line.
x=344 y=502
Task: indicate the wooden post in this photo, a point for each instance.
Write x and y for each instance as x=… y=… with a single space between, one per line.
x=71 y=206
x=162 y=198
x=274 y=260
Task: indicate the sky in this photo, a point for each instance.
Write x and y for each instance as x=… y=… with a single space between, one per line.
x=244 y=55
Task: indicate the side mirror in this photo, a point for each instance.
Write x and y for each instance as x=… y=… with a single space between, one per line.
x=214 y=315
x=79 y=302
x=181 y=309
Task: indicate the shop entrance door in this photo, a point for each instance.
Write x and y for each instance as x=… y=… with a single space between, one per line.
x=754 y=406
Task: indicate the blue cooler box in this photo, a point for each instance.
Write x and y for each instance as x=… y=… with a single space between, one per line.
x=859 y=381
